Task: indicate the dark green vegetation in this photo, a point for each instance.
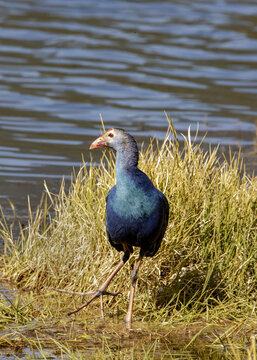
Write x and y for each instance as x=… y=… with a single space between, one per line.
x=200 y=286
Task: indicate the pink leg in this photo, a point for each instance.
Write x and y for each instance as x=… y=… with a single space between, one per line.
x=103 y=288
x=101 y=291
x=128 y=317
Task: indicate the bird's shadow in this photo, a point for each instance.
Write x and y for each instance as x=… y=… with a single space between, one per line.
x=188 y=287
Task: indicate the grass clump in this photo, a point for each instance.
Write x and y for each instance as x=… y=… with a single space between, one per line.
x=206 y=265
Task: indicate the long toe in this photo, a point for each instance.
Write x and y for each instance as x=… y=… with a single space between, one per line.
x=75 y=292
x=96 y=294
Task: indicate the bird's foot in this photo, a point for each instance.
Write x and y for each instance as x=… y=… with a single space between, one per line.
x=95 y=294
x=98 y=293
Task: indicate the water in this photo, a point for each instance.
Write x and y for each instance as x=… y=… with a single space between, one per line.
x=62 y=63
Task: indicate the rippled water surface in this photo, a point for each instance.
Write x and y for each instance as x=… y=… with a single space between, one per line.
x=62 y=63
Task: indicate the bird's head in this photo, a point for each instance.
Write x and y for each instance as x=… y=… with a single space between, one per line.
x=114 y=138
x=104 y=140
x=123 y=143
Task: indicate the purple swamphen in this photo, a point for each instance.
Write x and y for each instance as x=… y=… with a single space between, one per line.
x=136 y=212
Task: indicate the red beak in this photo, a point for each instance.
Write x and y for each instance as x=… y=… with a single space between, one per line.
x=98 y=143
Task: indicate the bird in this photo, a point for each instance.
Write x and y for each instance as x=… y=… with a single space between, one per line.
x=137 y=213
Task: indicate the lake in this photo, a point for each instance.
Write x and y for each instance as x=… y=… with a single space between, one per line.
x=63 y=63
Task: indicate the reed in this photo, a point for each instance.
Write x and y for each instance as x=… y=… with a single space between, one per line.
x=206 y=266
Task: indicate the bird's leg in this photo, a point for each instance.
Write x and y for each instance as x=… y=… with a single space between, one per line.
x=128 y=317
x=103 y=288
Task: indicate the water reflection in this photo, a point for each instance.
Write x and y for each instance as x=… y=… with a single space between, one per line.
x=63 y=63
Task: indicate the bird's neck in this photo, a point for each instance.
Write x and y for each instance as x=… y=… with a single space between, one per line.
x=126 y=162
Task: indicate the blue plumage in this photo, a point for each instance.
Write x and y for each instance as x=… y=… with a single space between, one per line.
x=136 y=213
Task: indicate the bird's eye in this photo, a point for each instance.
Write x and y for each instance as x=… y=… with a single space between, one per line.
x=110 y=135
